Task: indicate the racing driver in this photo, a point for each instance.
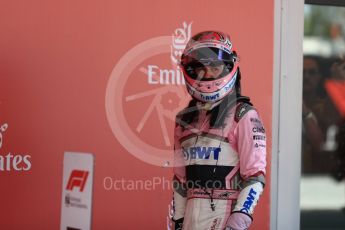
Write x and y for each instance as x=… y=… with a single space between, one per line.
x=220 y=141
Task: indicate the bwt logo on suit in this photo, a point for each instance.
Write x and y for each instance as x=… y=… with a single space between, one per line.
x=11 y=161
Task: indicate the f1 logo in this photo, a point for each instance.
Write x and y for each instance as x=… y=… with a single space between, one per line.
x=77 y=179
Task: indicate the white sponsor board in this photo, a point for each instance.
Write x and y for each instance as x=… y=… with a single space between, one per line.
x=77 y=184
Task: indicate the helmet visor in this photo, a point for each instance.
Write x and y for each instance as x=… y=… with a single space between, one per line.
x=207 y=64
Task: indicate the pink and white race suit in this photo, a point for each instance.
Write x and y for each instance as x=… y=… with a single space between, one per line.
x=218 y=171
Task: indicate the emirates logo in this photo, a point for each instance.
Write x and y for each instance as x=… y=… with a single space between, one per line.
x=3 y=128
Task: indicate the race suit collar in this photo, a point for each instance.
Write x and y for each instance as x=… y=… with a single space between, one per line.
x=207 y=105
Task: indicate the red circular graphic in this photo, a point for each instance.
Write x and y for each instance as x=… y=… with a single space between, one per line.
x=166 y=101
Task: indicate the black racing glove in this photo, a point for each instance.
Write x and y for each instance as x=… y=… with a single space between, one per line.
x=178 y=224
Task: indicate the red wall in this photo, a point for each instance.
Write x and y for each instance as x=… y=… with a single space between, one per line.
x=58 y=64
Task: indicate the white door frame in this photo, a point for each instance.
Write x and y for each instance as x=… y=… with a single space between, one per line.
x=287 y=110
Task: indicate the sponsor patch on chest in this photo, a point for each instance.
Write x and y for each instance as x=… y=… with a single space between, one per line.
x=201 y=152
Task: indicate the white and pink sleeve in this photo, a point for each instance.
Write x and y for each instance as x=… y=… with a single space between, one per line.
x=250 y=137
x=179 y=196
x=251 y=144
